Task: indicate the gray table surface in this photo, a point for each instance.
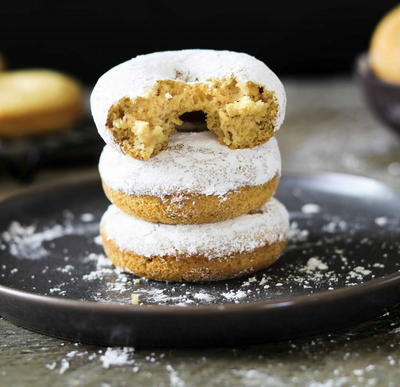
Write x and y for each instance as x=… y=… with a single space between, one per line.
x=327 y=129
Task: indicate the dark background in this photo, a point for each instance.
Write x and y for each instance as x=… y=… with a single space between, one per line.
x=85 y=38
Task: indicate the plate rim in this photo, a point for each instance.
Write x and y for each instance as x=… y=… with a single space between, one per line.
x=281 y=303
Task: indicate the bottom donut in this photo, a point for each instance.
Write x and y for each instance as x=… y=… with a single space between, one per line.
x=204 y=252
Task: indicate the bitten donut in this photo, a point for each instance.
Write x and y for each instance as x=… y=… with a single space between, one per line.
x=37 y=101
x=204 y=252
x=195 y=180
x=138 y=104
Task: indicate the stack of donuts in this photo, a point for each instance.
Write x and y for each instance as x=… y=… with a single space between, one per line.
x=191 y=205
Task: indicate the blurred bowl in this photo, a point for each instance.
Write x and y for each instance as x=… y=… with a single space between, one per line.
x=382 y=98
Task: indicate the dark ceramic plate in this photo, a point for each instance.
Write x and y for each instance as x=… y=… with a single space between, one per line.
x=341 y=267
x=383 y=98
x=23 y=158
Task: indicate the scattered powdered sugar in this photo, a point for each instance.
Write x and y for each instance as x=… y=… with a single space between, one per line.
x=24 y=242
x=359 y=272
x=204 y=297
x=174 y=379
x=65 y=269
x=335 y=226
x=28 y=243
x=314 y=263
x=213 y=240
x=381 y=221
x=235 y=296
x=117 y=357
x=124 y=357
x=103 y=267
x=395 y=331
x=97 y=239
x=193 y=163
x=64 y=366
x=51 y=366
x=161 y=296
x=300 y=272
x=87 y=217
x=303 y=276
x=310 y=208
x=296 y=234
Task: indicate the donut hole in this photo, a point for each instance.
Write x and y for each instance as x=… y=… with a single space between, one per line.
x=241 y=114
x=193 y=122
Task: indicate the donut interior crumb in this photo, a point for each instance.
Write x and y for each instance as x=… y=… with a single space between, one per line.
x=135 y=299
x=241 y=114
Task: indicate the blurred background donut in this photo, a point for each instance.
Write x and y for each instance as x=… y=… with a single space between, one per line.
x=37 y=101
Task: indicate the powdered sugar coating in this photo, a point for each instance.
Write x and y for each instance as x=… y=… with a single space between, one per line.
x=193 y=163
x=213 y=240
x=135 y=77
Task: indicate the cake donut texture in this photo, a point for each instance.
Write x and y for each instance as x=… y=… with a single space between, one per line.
x=195 y=180
x=210 y=251
x=37 y=101
x=138 y=104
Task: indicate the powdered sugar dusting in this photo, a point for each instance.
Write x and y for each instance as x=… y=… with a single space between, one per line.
x=325 y=252
x=175 y=380
x=29 y=243
x=116 y=357
x=310 y=208
x=213 y=240
x=235 y=296
x=314 y=263
x=381 y=221
x=135 y=77
x=64 y=366
x=193 y=163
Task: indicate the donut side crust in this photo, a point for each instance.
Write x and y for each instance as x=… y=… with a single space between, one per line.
x=193 y=268
x=193 y=208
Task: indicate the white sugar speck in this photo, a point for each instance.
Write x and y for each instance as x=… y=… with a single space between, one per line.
x=27 y=242
x=314 y=263
x=174 y=379
x=335 y=226
x=362 y=270
x=296 y=234
x=310 y=208
x=51 y=366
x=97 y=239
x=117 y=357
x=87 y=217
x=64 y=366
x=203 y=297
x=381 y=221
x=234 y=295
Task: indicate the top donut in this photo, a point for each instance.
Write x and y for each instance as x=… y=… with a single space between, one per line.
x=138 y=104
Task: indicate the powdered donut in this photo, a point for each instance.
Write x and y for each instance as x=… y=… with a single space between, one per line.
x=137 y=104
x=204 y=252
x=195 y=180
